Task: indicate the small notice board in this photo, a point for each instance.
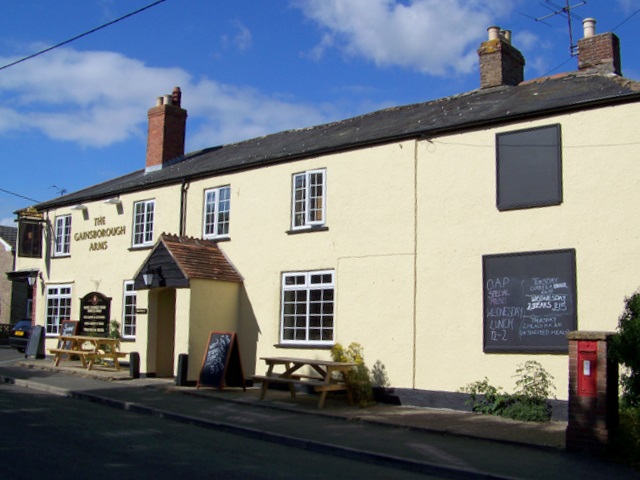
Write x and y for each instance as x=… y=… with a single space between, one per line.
x=221 y=364
x=67 y=327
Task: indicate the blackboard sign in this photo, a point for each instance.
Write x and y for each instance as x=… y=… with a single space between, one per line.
x=35 y=345
x=67 y=327
x=95 y=314
x=221 y=365
x=529 y=301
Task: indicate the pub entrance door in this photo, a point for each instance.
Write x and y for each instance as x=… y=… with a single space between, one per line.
x=162 y=302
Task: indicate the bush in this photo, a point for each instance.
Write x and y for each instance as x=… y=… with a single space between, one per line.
x=529 y=403
x=624 y=350
x=485 y=398
x=357 y=379
x=625 y=445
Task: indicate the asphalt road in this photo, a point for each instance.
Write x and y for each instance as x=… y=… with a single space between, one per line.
x=45 y=436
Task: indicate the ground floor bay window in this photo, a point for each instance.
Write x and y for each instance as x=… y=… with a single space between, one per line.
x=307 y=308
x=58 y=307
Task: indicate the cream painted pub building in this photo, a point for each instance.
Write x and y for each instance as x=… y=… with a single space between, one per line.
x=453 y=239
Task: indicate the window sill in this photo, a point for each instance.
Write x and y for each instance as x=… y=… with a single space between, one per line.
x=141 y=247
x=321 y=228
x=302 y=346
x=218 y=239
x=54 y=257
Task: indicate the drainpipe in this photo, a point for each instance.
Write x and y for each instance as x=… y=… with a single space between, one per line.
x=183 y=206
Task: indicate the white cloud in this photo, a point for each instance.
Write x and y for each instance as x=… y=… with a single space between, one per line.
x=230 y=113
x=99 y=98
x=629 y=6
x=243 y=38
x=431 y=36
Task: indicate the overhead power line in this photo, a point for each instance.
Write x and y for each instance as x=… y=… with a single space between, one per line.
x=625 y=20
x=81 y=35
x=18 y=195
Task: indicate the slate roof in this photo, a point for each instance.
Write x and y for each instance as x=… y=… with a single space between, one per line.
x=470 y=110
x=9 y=235
x=201 y=259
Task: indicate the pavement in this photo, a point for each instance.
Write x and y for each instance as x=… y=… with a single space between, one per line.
x=438 y=442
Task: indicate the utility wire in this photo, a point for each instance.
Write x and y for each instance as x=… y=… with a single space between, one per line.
x=625 y=20
x=18 y=195
x=81 y=35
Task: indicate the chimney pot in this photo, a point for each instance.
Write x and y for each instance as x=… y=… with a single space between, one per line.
x=176 y=96
x=167 y=99
x=494 y=32
x=589 y=27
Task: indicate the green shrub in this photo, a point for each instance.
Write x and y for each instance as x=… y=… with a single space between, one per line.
x=485 y=398
x=529 y=403
x=357 y=379
x=624 y=350
x=625 y=444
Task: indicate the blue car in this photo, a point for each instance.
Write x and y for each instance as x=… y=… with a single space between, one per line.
x=19 y=335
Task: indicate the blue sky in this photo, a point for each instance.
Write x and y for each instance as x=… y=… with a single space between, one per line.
x=77 y=115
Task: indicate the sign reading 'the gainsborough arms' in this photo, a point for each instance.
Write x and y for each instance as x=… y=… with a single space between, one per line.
x=100 y=234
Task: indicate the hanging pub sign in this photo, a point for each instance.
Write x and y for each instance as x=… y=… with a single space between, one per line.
x=95 y=312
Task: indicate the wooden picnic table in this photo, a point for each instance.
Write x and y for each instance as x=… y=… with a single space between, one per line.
x=322 y=377
x=88 y=349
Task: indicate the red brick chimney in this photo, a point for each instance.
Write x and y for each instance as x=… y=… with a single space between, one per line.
x=167 y=127
x=598 y=53
x=500 y=62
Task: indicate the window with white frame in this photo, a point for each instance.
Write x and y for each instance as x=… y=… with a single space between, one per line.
x=308 y=199
x=143 y=214
x=58 y=307
x=62 y=241
x=129 y=310
x=217 y=203
x=307 y=307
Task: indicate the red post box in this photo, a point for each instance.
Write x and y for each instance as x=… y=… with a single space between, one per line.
x=587 y=369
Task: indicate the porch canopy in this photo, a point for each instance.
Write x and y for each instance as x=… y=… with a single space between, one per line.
x=176 y=260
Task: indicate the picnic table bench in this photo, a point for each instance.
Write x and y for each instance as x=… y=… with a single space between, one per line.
x=321 y=379
x=100 y=348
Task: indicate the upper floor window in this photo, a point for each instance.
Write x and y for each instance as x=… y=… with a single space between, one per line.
x=529 y=168
x=217 y=203
x=62 y=236
x=129 y=310
x=308 y=199
x=30 y=239
x=307 y=307
x=143 y=213
x=58 y=308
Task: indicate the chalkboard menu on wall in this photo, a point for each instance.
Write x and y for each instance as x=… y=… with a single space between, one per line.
x=221 y=365
x=529 y=301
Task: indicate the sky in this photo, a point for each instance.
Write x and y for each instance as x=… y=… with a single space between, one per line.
x=76 y=115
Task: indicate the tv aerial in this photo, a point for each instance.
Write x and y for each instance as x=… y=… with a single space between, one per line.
x=565 y=11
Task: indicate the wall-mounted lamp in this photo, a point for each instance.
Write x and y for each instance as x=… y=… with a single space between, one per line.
x=113 y=201
x=31 y=279
x=150 y=274
x=79 y=207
